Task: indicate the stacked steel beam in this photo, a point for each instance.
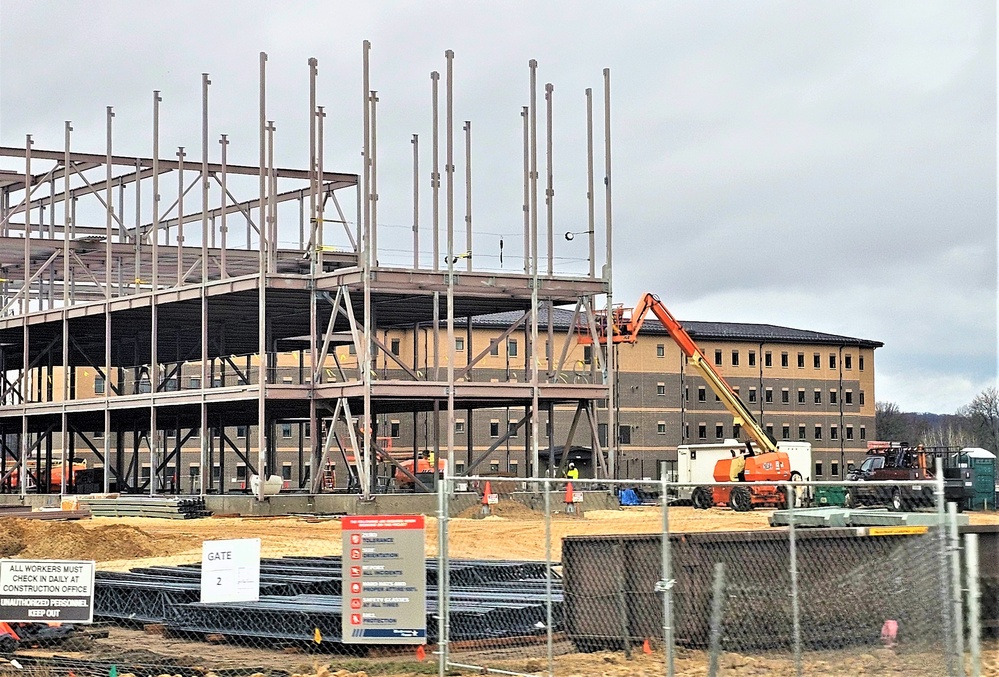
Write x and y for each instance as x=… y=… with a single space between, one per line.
x=187 y=507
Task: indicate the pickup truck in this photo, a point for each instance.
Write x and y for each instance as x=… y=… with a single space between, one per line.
x=907 y=465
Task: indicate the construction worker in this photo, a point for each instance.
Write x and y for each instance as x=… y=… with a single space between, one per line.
x=572 y=473
x=738 y=467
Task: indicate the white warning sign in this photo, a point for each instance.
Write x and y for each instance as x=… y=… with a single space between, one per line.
x=47 y=591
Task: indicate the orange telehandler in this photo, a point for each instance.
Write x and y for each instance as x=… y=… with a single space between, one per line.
x=771 y=465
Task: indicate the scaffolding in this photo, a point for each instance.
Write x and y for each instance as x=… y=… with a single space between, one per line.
x=191 y=316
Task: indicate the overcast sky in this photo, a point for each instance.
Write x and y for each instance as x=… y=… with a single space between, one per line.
x=819 y=165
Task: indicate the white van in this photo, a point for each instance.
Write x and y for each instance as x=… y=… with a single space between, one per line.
x=695 y=463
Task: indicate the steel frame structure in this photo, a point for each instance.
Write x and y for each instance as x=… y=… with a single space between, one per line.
x=219 y=290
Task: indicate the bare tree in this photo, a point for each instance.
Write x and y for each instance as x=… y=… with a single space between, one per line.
x=984 y=414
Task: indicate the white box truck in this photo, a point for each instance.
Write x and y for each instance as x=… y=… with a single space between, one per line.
x=695 y=463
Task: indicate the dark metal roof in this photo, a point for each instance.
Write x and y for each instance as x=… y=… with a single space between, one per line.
x=717 y=331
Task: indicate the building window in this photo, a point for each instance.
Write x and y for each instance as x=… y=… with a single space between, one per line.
x=768 y=395
x=661 y=427
x=834 y=468
x=735 y=358
x=849 y=432
x=308 y=429
x=459 y=467
x=832 y=397
x=848 y=361
x=493 y=466
x=602 y=434
x=752 y=394
x=752 y=358
x=770 y=429
x=736 y=430
x=801 y=395
x=146 y=472
x=849 y=396
x=801 y=360
x=98 y=385
x=286 y=472
x=660 y=389
x=717 y=399
x=395 y=346
x=624 y=434
x=818 y=432
x=660 y=350
x=394 y=429
x=240 y=472
x=511 y=347
x=768 y=360
x=241 y=431
x=833 y=432
x=194 y=471
x=587 y=353
x=459 y=344
x=513 y=467
x=785 y=432
x=818 y=468
x=719 y=431
x=511 y=428
x=194 y=383
x=352 y=349
x=494 y=351
x=287 y=380
x=459 y=426
x=702 y=431
x=785 y=396
x=718 y=357
x=863 y=432
x=818 y=396
x=701 y=394
x=801 y=432
x=832 y=360
x=98 y=435
x=548 y=428
x=286 y=430
x=783 y=360
x=816 y=361
x=217 y=382
x=861 y=398
x=860 y=363
x=494 y=428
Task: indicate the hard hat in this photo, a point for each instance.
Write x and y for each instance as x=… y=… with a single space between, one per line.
x=572 y=465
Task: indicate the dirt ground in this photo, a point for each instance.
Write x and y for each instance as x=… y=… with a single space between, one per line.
x=512 y=532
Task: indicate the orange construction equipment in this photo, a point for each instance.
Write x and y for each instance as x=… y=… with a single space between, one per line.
x=770 y=467
x=422 y=466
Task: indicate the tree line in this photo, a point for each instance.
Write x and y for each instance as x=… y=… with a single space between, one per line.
x=974 y=425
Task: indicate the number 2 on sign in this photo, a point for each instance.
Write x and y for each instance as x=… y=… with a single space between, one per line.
x=218 y=581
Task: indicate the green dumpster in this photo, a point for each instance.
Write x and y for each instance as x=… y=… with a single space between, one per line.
x=983 y=462
x=830 y=495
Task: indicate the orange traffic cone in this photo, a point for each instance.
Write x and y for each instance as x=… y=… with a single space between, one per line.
x=646 y=649
x=420 y=653
x=486 y=493
x=570 y=503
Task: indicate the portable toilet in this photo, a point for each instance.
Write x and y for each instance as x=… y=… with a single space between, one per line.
x=983 y=462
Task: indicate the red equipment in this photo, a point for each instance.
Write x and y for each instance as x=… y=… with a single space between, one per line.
x=773 y=467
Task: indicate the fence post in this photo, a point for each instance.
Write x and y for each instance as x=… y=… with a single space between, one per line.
x=795 y=606
x=974 y=596
x=938 y=493
x=443 y=625
x=548 y=577
x=717 y=595
x=666 y=584
x=956 y=588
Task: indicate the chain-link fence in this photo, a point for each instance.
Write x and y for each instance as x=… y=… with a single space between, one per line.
x=592 y=577
x=749 y=579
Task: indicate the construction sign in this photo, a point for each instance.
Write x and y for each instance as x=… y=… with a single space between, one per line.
x=46 y=591
x=384 y=580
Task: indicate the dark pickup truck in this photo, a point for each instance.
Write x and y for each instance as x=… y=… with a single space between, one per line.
x=907 y=465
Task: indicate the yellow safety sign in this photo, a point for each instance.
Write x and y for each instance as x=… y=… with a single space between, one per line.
x=897 y=531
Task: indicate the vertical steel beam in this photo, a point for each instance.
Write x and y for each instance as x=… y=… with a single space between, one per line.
x=320 y=197
x=107 y=306
x=63 y=418
x=374 y=178
x=611 y=377
x=449 y=172
x=468 y=200
x=590 y=221
x=262 y=294
x=525 y=115
x=205 y=373
x=364 y=353
x=416 y=203
x=549 y=187
x=532 y=330
x=180 y=215
x=205 y=82
x=223 y=226
x=435 y=175
x=25 y=309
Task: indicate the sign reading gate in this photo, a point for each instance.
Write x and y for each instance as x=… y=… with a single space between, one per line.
x=384 y=580
x=46 y=591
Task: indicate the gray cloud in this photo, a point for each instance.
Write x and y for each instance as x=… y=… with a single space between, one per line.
x=824 y=165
